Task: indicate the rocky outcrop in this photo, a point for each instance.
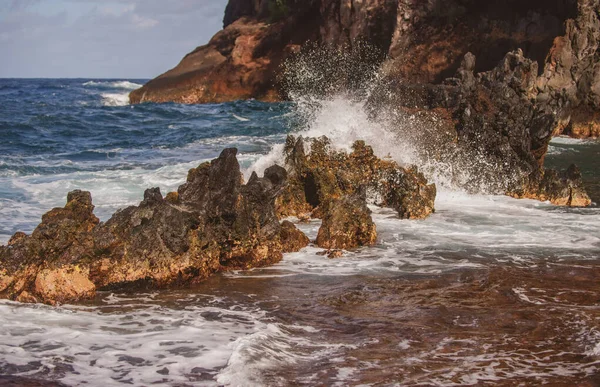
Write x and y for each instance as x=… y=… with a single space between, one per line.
x=497 y=79
x=321 y=174
x=347 y=224
x=213 y=223
x=490 y=128
x=560 y=188
x=292 y=239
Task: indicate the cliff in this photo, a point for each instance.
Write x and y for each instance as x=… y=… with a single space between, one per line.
x=419 y=41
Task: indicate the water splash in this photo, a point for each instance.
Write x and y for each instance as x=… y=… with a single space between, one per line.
x=338 y=94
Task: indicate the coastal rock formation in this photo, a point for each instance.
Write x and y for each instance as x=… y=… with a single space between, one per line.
x=490 y=128
x=212 y=223
x=322 y=174
x=498 y=78
x=423 y=42
x=347 y=224
x=292 y=239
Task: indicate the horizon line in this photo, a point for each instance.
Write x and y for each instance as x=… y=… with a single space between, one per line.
x=1 y=77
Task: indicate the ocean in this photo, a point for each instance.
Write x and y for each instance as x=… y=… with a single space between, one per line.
x=489 y=290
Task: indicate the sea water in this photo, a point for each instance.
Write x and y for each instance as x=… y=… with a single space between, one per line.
x=488 y=290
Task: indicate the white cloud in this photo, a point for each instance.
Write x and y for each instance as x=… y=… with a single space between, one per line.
x=143 y=22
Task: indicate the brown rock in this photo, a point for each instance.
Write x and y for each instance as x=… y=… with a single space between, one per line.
x=562 y=189
x=292 y=239
x=347 y=224
x=324 y=174
x=68 y=283
x=213 y=223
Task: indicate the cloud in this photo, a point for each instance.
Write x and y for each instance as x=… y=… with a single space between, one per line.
x=143 y=22
x=102 y=38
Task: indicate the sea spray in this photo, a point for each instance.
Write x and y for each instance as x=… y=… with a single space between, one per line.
x=343 y=94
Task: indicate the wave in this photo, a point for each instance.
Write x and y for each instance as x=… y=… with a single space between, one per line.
x=467 y=231
x=113 y=85
x=115 y=99
x=564 y=140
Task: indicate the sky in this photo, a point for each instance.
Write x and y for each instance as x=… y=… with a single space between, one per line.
x=102 y=38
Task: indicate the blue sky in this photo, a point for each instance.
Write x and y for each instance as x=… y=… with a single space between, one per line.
x=102 y=38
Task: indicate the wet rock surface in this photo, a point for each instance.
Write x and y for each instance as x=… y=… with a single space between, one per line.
x=292 y=239
x=491 y=129
x=213 y=223
x=321 y=174
x=347 y=224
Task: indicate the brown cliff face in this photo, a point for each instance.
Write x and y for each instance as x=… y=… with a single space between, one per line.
x=422 y=41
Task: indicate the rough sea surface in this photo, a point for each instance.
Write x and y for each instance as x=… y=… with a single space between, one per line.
x=489 y=290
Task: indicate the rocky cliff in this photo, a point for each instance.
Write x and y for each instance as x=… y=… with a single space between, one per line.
x=419 y=41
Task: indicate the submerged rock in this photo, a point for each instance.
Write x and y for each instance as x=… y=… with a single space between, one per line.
x=323 y=174
x=347 y=224
x=213 y=223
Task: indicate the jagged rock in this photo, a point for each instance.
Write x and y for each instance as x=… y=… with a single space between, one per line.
x=408 y=193
x=323 y=174
x=53 y=250
x=213 y=223
x=292 y=239
x=499 y=134
x=347 y=224
x=563 y=189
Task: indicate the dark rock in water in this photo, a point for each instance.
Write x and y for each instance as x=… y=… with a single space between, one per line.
x=347 y=224
x=292 y=239
x=213 y=223
x=563 y=189
x=324 y=174
x=501 y=134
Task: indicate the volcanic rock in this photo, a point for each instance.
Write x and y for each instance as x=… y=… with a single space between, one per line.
x=324 y=174
x=213 y=223
x=347 y=224
x=496 y=78
x=292 y=239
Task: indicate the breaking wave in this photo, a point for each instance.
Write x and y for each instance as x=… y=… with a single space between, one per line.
x=115 y=99
x=113 y=85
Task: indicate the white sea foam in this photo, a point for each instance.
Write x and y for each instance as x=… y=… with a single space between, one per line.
x=143 y=346
x=564 y=140
x=110 y=189
x=115 y=99
x=239 y=118
x=467 y=231
x=114 y=84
